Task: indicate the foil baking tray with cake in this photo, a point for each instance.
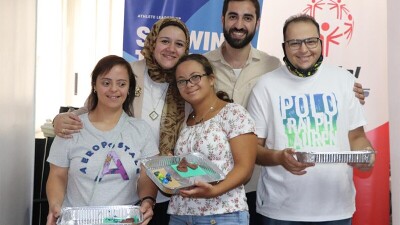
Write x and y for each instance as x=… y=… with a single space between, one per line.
x=163 y=171
x=96 y=215
x=361 y=156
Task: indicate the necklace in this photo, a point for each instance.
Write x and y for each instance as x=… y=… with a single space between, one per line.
x=153 y=114
x=205 y=114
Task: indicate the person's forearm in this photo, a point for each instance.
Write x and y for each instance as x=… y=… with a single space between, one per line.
x=80 y=111
x=358 y=140
x=146 y=187
x=360 y=144
x=55 y=190
x=267 y=157
x=77 y=112
x=244 y=149
x=239 y=175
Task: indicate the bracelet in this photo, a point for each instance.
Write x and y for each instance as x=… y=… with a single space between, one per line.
x=148 y=197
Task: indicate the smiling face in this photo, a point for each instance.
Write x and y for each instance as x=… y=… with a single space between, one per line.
x=194 y=93
x=170 y=46
x=112 y=88
x=239 y=23
x=304 y=57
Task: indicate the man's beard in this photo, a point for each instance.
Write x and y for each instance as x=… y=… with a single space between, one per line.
x=238 y=43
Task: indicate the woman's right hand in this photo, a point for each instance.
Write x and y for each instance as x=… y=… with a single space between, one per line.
x=53 y=215
x=65 y=124
x=147 y=209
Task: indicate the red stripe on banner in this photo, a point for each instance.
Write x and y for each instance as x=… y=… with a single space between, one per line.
x=372 y=199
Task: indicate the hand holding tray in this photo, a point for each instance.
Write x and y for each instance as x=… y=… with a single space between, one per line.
x=361 y=156
x=97 y=215
x=163 y=171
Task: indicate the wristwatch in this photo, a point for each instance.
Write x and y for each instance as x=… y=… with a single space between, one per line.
x=148 y=198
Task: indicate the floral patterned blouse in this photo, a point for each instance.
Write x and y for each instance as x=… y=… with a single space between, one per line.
x=211 y=138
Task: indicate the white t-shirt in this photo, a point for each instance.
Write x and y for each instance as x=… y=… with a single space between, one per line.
x=311 y=114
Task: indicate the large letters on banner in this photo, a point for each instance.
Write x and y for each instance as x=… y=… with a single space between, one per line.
x=203 y=18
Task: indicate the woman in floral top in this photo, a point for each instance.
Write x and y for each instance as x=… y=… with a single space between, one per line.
x=224 y=133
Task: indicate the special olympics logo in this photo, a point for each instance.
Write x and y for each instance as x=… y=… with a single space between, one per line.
x=335 y=19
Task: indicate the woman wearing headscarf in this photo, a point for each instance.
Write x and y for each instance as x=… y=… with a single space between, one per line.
x=157 y=99
x=166 y=43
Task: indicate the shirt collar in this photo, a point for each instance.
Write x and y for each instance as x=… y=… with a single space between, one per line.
x=216 y=55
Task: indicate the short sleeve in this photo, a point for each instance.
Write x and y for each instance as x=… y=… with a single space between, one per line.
x=59 y=152
x=258 y=109
x=237 y=121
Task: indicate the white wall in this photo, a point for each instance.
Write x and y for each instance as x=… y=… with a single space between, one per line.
x=17 y=72
x=72 y=36
x=50 y=53
x=394 y=104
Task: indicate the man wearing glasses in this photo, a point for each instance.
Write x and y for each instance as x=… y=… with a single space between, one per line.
x=306 y=106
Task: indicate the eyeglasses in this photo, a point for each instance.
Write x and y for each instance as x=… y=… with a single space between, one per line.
x=295 y=44
x=193 y=80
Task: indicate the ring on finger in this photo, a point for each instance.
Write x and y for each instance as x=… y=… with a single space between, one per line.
x=63 y=131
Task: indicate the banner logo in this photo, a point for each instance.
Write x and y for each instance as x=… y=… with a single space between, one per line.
x=336 y=22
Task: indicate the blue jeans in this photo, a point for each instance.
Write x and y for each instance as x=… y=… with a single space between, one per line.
x=234 y=218
x=268 y=221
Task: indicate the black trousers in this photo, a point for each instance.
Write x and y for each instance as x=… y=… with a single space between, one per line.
x=160 y=216
x=251 y=201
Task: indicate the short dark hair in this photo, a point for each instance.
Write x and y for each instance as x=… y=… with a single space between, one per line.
x=299 y=18
x=255 y=3
x=104 y=66
x=201 y=59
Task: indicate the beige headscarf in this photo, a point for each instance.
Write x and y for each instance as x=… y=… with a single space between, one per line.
x=174 y=108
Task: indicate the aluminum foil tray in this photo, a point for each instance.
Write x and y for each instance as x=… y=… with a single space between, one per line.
x=362 y=156
x=164 y=163
x=96 y=215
